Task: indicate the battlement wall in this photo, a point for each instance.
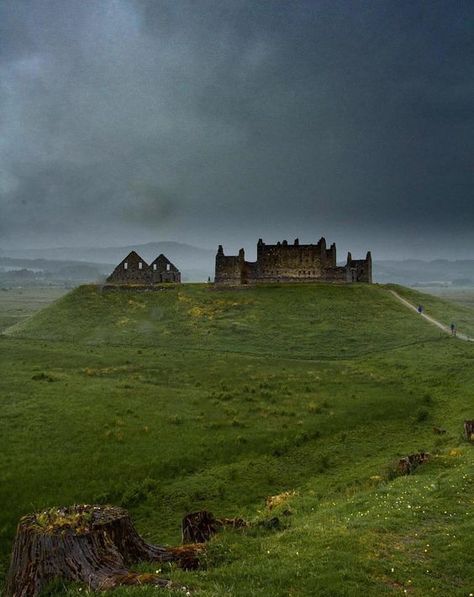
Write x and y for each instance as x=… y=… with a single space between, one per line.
x=359 y=270
x=229 y=269
x=284 y=262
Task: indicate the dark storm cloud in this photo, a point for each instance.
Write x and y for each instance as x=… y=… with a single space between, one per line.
x=206 y=121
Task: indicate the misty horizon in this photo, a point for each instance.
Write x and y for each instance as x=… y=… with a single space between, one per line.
x=250 y=251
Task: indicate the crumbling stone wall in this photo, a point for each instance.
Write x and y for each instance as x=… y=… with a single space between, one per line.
x=230 y=270
x=162 y=270
x=132 y=270
x=135 y=270
x=359 y=270
x=285 y=262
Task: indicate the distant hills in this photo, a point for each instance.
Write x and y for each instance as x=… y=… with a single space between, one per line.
x=195 y=263
x=173 y=250
x=416 y=272
x=89 y=264
x=46 y=272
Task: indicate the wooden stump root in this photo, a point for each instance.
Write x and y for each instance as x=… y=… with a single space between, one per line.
x=89 y=544
x=469 y=430
x=409 y=463
x=199 y=527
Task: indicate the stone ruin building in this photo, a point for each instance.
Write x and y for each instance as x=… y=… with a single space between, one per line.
x=134 y=270
x=284 y=262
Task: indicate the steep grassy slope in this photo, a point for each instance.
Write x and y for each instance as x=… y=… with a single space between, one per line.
x=190 y=398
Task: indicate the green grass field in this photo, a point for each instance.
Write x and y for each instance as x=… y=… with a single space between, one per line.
x=193 y=398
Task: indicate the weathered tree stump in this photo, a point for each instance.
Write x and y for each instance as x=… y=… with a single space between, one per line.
x=199 y=527
x=89 y=544
x=409 y=463
x=469 y=430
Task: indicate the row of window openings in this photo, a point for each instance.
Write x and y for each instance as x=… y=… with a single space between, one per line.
x=140 y=266
x=300 y=273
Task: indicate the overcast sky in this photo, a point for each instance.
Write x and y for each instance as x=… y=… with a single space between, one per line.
x=221 y=121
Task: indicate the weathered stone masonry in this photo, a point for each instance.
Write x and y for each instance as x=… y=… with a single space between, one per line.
x=284 y=262
x=135 y=270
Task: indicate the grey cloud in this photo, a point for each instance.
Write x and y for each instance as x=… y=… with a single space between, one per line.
x=229 y=120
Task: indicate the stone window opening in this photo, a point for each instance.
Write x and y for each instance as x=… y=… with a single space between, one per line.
x=140 y=265
x=125 y=265
x=154 y=267
x=168 y=267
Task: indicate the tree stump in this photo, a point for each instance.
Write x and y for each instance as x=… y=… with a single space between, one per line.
x=89 y=544
x=199 y=527
x=469 y=430
x=409 y=463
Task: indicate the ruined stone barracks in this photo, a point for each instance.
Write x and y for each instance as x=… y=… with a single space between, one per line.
x=285 y=262
x=134 y=270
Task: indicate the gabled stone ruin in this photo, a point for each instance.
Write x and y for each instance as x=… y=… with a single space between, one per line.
x=134 y=270
x=295 y=262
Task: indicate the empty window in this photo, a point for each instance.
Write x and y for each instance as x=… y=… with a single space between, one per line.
x=154 y=267
x=125 y=265
x=168 y=267
x=140 y=265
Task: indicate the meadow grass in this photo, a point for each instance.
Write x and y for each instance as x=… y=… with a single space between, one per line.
x=192 y=398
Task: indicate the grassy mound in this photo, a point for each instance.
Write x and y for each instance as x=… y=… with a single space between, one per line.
x=294 y=402
x=307 y=321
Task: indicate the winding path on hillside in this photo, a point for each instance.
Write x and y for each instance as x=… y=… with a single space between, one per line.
x=432 y=320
